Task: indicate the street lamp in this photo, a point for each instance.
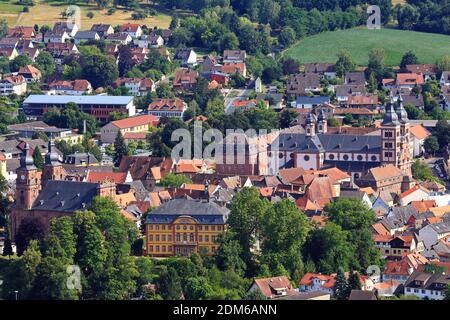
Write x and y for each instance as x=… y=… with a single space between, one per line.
x=16 y=292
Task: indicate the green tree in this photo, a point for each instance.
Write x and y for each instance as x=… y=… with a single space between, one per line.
x=443 y=64
x=447 y=292
x=120 y=149
x=287 y=36
x=228 y=256
x=255 y=295
x=354 y=282
x=422 y=172
x=30 y=229
x=287 y=116
x=408 y=58
x=21 y=60
x=431 y=145
x=45 y=63
x=284 y=229
x=247 y=211
x=169 y=284
x=376 y=63
x=198 y=288
x=37 y=158
x=344 y=63
x=7 y=248
x=341 y=290
x=3 y=28
x=174 y=180
x=99 y=69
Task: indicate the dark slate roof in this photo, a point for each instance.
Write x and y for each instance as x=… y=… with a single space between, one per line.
x=203 y=212
x=66 y=196
x=329 y=143
x=430 y=281
x=352 y=194
x=402 y=214
x=312 y=99
x=352 y=166
x=183 y=53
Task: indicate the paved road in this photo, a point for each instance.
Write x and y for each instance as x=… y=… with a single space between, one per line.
x=237 y=94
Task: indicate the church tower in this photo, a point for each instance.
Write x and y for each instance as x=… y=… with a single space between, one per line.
x=310 y=125
x=404 y=161
x=28 y=181
x=322 y=122
x=53 y=169
x=390 y=137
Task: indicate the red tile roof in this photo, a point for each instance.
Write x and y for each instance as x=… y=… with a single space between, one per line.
x=412 y=190
x=410 y=78
x=174 y=104
x=135 y=135
x=96 y=177
x=307 y=280
x=136 y=121
x=233 y=67
x=419 y=132
x=129 y=27
x=268 y=286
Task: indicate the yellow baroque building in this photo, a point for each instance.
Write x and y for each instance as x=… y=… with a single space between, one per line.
x=183 y=226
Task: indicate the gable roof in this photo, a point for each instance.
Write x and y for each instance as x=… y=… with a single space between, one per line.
x=97 y=177
x=66 y=196
x=136 y=121
x=269 y=286
x=419 y=132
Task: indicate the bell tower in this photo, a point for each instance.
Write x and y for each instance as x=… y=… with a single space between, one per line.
x=53 y=169
x=28 y=181
x=310 y=125
x=404 y=161
x=322 y=122
x=390 y=137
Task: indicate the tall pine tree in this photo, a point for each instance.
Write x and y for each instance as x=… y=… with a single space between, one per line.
x=341 y=289
x=37 y=158
x=120 y=149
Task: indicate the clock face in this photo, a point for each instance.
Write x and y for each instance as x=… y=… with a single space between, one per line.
x=22 y=177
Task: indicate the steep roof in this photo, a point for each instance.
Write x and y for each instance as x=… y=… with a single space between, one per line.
x=269 y=286
x=419 y=132
x=204 y=212
x=66 y=196
x=97 y=177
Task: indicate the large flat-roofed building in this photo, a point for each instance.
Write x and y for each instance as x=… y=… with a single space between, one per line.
x=99 y=106
x=181 y=226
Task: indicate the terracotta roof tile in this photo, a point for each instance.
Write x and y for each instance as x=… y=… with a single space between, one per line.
x=419 y=132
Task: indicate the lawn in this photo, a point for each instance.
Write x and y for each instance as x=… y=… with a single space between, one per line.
x=359 y=41
x=50 y=12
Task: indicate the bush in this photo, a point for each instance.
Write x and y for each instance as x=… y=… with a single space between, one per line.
x=90 y=15
x=138 y=15
x=25 y=9
x=111 y=11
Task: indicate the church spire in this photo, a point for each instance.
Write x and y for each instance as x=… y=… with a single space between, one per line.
x=390 y=116
x=400 y=110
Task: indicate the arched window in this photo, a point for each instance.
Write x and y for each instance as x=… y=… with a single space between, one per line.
x=306 y=158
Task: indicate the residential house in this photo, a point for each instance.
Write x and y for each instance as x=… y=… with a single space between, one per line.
x=418 y=134
x=31 y=53
x=416 y=193
x=317 y=282
x=234 y=56
x=8 y=53
x=369 y=101
x=302 y=84
x=210 y=64
x=132 y=29
x=86 y=36
x=431 y=286
x=60 y=50
x=355 y=78
x=428 y=70
x=409 y=80
x=22 y=32
x=13 y=85
x=187 y=56
x=174 y=107
x=445 y=79
x=138 y=124
x=137 y=87
x=345 y=90
x=400 y=270
x=3 y=171
x=70 y=28
x=65 y=87
x=150 y=41
x=119 y=38
x=185 y=79
x=56 y=36
x=102 y=30
x=309 y=102
x=326 y=70
x=231 y=68
x=432 y=233
x=274 y=288
x=30 y=73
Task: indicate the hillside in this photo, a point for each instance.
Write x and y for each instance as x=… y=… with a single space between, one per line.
x=45 y=12
x=359 y=41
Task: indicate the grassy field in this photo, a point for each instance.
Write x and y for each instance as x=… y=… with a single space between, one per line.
x=50 y=12
x=359 y=41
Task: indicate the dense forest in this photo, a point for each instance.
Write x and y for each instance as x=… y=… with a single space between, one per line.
x=428 y=16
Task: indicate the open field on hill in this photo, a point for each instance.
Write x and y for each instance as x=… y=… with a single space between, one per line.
x=359 y=41
x=50 y=12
